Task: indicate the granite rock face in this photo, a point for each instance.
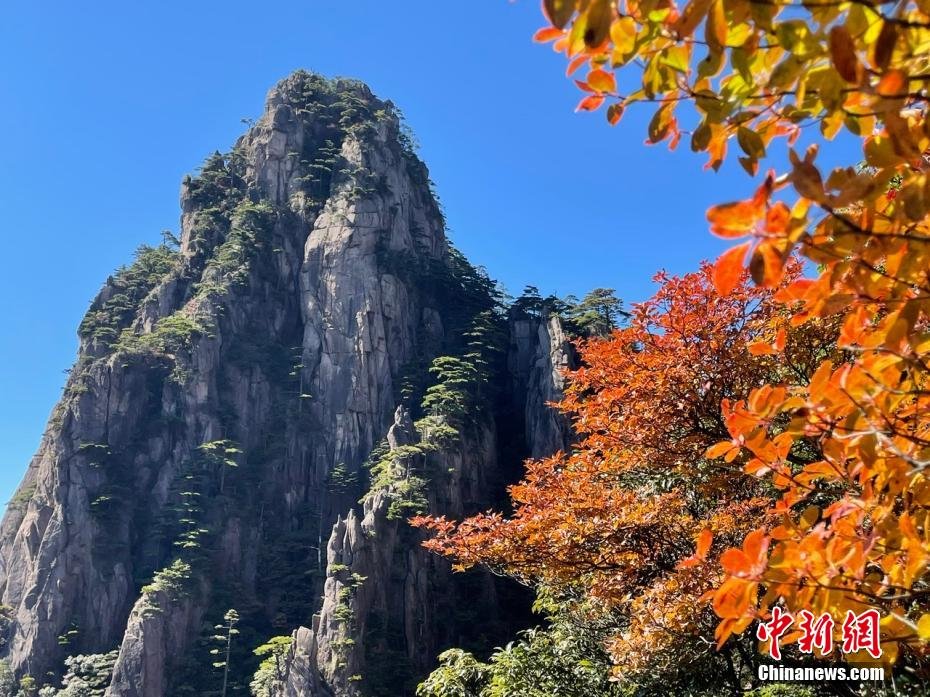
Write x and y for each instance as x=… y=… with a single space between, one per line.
x=539 y=354
x=215 y=441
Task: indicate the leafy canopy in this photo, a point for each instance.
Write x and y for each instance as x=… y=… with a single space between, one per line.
x=760 y=71
x=607 y=531
x=840 y=451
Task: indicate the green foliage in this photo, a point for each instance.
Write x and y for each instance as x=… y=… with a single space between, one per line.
x=28 y=687
x=174 y=580
x=86 y=676
x=344 y=611
x=401 y=472
x=341 y=480
x=219 y=456
x=595 y=315
x=69 y=636
x=224 y=639
x=229 y=265
x=184 y=523
x=7 y=614
x=22 y=497
x=459 y=675
x=170 y=335
x=461 y=391
x=217 y=184
x=7 y=679
x=128 y=288
x=565 y=658
x=449 y=391
x=531 y=304
x=782 y=690
x=543 y=662
x=190 y=537
x=270 y=675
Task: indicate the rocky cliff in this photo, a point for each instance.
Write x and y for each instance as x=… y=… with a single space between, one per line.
x=256 y=411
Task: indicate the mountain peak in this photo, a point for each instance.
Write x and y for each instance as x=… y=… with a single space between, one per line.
x=235 y=399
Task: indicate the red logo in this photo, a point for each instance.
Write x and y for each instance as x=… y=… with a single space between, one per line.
x=773 y=630
x=816 y=633
x=860 y=632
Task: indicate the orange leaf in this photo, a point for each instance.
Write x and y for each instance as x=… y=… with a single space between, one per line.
x=691 y=17
x=781 y=336
x=777 y=217
x=755 y=545
x=576 y=63
x=547 y=34
x=794 y=292
x=735 y=562
x=719 y=449
x=729 y=268
x=734 y=219
x=892 y=84
x=591 y=103
x=704 y=540
x=602 y=81
x=762 y=348
x=766 y=265
x=716 y=28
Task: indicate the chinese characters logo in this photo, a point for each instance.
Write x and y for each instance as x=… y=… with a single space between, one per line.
x=860 y=632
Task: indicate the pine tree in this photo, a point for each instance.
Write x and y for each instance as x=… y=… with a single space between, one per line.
x=231 y=619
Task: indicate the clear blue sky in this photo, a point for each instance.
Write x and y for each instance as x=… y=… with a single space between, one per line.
x=104 y=106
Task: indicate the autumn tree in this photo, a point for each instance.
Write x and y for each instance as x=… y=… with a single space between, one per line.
x=759 y=72
x=607 y=532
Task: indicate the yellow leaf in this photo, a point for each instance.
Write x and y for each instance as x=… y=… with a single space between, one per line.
x=923 y=627
x=716 y=29
x=623 y=35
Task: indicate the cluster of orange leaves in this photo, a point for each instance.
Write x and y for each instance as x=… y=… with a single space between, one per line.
x=613 y=521
x=853 y=529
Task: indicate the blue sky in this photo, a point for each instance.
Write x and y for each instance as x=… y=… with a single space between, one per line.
x=106 y=105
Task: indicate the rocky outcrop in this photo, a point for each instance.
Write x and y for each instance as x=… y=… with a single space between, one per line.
x=386 y=601
x=539 y=354
x=158 y=624
x=234 y=400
